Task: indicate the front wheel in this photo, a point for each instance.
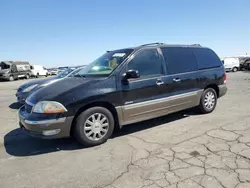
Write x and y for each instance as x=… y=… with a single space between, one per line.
x=94 y=126
x=11 y=78
x=208 y=101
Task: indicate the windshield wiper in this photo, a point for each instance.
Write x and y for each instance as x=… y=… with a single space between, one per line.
x=79 y=75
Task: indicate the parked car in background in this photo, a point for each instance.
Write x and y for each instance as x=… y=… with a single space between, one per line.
x=53 y=72
x=231 y=64
x=123 y=87
x=26 y=89
x=38 y=70
x=244 y=63
x=13 y=70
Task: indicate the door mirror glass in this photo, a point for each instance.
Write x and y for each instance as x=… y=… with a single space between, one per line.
x=131 y=74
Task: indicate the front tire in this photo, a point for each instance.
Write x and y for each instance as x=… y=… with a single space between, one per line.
x=208 y=101
x=94 y=126
x=11 y=78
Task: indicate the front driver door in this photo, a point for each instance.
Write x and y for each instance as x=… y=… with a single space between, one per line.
x=140 y=96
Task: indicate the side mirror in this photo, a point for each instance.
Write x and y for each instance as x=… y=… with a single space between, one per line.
x=131 y=74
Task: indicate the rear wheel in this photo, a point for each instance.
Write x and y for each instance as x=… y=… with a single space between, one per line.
x=94 y=126
x=235 y=69
x=208 y=101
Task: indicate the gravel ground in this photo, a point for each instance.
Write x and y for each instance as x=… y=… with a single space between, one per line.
x=182 y=150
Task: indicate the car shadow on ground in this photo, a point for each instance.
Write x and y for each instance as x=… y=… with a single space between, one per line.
x=18 y=143
x=15 y=105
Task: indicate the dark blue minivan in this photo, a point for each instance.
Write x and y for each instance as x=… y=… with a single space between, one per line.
x=123 y=87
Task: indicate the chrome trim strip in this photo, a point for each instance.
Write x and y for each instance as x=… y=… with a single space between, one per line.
x=150 y=102
x=29 y=103
x=46 y=122
x=163 y=108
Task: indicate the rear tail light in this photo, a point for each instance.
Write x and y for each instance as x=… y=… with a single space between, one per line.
x=225 y=78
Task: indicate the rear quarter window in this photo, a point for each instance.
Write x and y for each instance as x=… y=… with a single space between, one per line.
x=179 y=60
x=206 y=58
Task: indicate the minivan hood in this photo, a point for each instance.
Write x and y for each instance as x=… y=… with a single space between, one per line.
x=58 y=88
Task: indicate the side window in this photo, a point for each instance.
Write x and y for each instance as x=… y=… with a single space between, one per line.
x=148 y=63
x=207 y=58
x=179 y=60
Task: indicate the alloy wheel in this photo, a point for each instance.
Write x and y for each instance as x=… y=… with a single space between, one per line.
x=96 y=126
x=209 y=100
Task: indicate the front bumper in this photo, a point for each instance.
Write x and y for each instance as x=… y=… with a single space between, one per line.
x=49 y=128
x=222 y=90
x=4 y=77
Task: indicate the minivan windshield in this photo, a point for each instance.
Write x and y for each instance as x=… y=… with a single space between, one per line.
x=64 y=73
x=106 y=64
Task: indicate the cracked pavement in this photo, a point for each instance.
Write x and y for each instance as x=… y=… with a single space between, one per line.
x=182 y=150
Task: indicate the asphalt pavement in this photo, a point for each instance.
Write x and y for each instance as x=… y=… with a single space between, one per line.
x=181 y=150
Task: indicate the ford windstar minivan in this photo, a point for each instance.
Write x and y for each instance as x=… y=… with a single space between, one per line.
x=123 y=87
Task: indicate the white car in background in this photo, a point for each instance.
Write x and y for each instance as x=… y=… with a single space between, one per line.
x=38 y=70
x=231 y=64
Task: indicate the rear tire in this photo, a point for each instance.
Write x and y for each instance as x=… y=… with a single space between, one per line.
x=208 y=101
x=89 y=130
x=235 y=69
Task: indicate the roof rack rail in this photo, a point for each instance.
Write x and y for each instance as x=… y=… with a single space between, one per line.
x=195 y=45
x=152 y=44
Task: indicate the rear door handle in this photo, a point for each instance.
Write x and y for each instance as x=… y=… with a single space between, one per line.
x=159 y=82
x=176 y=79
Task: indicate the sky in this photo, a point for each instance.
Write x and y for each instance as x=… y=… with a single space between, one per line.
x=76 y=32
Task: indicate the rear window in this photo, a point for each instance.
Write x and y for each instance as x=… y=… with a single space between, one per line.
x=179 y=60
x=206 y=58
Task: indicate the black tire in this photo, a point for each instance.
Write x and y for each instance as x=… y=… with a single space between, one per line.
x=235 y=69
x=79 y=129
x=37 y=75
x=27 y=76
x=202 y=107
x=11 y=78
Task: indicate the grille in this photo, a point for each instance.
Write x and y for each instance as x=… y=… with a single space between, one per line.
x=28 y=108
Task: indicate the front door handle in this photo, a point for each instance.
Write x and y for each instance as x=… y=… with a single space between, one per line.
x=176 y=79
x=159 y=82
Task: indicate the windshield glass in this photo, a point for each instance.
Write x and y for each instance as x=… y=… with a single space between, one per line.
x=64 y=73
x=106 y=64
x=75 y=72
x=4 y=66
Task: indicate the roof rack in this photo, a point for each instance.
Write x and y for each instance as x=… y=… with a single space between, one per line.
x=195 y=45
x=152 y=44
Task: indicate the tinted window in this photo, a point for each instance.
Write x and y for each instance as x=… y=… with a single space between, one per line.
x=179 y=60
x=147 y=62
x=207 y=58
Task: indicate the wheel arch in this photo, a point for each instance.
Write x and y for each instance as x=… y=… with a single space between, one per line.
x=103 y=104
x=215 y=87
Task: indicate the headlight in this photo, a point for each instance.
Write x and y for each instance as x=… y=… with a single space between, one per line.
x=30 y=88
x=49 y=107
